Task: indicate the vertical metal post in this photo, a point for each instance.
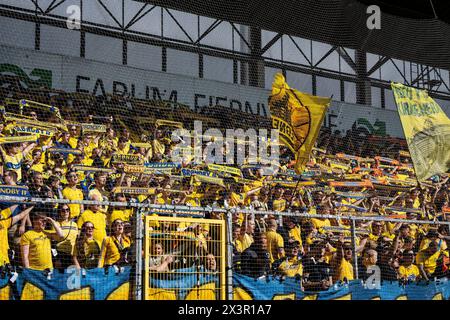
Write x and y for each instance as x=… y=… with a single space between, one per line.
x=138 y=253
x=229 y=226
x=355 y=254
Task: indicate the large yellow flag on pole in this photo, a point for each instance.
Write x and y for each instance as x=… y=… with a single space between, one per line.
x=298 y=117
x=426 y=128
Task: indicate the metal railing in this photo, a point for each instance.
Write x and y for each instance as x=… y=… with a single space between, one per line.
x=143 y=209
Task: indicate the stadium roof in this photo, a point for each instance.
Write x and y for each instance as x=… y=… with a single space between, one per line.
x=409 y=30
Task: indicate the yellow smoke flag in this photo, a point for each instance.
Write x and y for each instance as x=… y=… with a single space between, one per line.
x=298 y=117
x=426 y=128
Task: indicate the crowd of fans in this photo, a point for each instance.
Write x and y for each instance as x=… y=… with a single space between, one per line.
x=77 y=165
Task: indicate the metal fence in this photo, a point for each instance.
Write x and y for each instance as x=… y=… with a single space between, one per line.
x=181 y=252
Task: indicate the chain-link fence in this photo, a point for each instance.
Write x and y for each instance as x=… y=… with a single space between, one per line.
x=164 y=252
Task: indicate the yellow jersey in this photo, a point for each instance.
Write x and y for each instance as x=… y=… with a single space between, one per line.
x=344 y=270
x=40 y=253
x=5 y=224
x=70 y=233
x=274 y=243
x=112 y=249
x=98 y=220
x=73 y=194
x=410 y=272
x=14 y=163
x=279 y=205
x=291 y=267
x=90 y=256
x=429 y=262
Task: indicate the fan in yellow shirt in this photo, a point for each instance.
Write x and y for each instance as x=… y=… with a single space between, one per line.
x=291 y=266
x=342 y=261
x=71 y=192
x=35 y=244
x=6 y=221
x=114 y=248
x=13 y=157
x=98 y=219
x=427 y=260
x=408 y=271
x=275 y=243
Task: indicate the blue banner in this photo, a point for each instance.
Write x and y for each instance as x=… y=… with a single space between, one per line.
x=270 y=288
x=94 y=284
x=184 y=284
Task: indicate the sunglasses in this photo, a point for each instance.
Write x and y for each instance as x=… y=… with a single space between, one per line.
x=89 y=227
x=65 y=210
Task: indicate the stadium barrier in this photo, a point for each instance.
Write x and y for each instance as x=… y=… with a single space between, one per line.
x=203 y=265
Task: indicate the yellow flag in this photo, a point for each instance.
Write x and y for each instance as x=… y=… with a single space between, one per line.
x=298 y=117
x=426 y=128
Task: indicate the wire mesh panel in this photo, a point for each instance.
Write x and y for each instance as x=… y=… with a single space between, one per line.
x=184 y=259
x=110 y=110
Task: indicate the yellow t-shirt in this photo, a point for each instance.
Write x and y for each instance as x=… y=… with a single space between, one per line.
x=247 y=241
x=14 y=163
x=111 y=253
x=5 y=224
x=91 y=254
x=274 y=242
x=73 y=194
x=98 y=220
x=73 y=142
x=320 y=223
x=238 y=245
x=429 y=262
x=38 y=167
x=295 y=233
x=70 y=232
x=237 y=199
x=279 y=205
x=442 y=245
x=291 y=267
x=344 y=270
x=409 y=272
x=40 y=254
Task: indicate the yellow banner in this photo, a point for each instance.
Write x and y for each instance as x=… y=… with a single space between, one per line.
x=19 y=139
x=91 y=127
x=91 y=169
x=226 y=169
x=196 y=179
x=126 y=158
x=42 y=106
x=168 y=123
x=141 y=144
x=134 y=190
x=22 y=120
x=426 y=128
x=298 y=116
x=133 y=168
x=23 y=128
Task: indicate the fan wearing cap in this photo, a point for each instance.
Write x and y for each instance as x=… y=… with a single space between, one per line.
x=35 y=243
x=291 y=265
x=408 y=271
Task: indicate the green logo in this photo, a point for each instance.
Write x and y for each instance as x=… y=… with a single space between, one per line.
x=38 y=78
